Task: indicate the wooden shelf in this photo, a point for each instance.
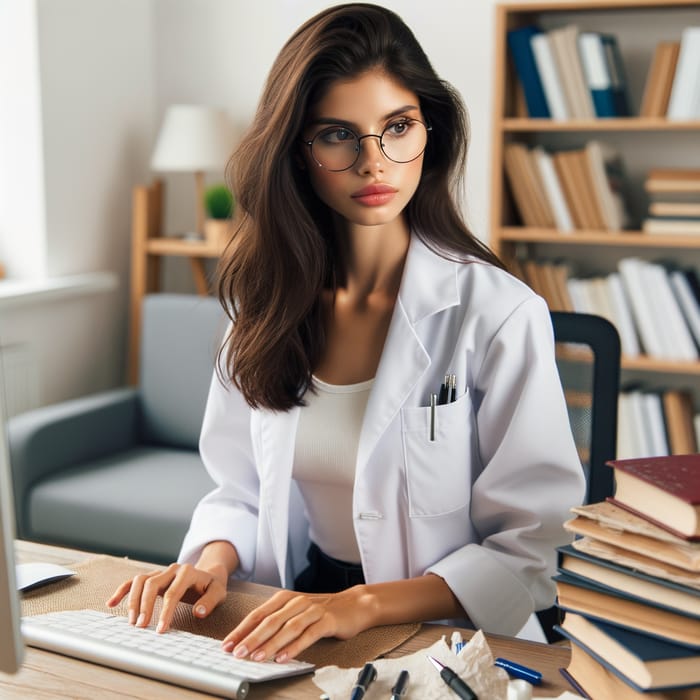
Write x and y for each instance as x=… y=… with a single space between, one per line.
x=638 y=239
x=649 y=142
x=642 y=363
x=631 y=124
x=170 y=245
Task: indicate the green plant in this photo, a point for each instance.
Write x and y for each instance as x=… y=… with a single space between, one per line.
x=219 y=202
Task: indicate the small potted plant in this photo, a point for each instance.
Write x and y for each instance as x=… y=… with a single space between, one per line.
x=219 y=204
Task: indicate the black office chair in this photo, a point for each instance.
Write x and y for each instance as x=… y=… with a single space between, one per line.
x=588 y=359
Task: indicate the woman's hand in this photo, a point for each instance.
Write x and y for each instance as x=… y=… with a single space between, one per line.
x=178 y=582
x=289 y=622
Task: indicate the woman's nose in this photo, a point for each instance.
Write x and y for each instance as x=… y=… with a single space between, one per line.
x=371 y=157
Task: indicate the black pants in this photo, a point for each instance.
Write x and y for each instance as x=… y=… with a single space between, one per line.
x=327 y=575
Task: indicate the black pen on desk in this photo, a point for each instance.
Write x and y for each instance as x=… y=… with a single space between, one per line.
x=458 y=686
x=401 y=686
x=365 y=678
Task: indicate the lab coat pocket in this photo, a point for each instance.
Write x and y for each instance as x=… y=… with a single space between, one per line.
x=438 y=473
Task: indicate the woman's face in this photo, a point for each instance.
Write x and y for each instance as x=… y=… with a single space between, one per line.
x=374 y=190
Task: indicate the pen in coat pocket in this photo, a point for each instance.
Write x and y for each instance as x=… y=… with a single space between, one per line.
x=433 y=403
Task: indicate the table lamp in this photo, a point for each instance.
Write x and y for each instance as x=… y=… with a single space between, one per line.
x=194 y=138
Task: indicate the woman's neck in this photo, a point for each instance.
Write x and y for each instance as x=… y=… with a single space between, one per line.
x=374 y=258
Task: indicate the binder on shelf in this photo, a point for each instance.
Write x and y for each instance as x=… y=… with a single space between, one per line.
x=524 y=62
x=618 y=76
x=598 y=78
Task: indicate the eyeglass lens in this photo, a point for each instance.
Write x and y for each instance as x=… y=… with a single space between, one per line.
x=338 y=148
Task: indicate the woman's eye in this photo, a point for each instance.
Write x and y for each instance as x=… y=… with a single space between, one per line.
x=336 y=136
x=398 y=128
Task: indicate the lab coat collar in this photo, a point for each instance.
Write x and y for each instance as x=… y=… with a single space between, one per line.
x=429 y=285
x=429 y=282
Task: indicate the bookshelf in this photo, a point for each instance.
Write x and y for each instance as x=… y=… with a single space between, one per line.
x=643 y=143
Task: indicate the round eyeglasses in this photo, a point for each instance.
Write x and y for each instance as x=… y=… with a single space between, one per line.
x=337 y=148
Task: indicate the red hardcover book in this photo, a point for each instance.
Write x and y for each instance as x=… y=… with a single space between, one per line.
x=663 y=490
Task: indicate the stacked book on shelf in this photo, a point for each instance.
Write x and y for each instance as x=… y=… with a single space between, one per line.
x=570 y=189
x=655 y=307
x=566 y=73
x=672 y=88
x=674 y=200
x=629 y=585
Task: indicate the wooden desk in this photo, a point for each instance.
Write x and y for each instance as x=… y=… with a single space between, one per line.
x=46 y=675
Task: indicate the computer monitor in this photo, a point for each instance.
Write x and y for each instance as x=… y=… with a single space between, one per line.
x=11 y=645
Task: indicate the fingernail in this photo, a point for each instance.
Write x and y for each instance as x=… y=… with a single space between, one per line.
x=227 y=646
x=282 y=658
x=132 y=617
x=161 y=626
x=200 y=610
x=258 y=655
x=141 y=620
x=241 y=651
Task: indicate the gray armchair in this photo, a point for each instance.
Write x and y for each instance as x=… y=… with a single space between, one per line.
x=119 y=472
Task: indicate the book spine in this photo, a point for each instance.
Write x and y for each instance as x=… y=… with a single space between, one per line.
x=686 y=82
x=618 y=76
x=549 y=75
x=595 y=70
x=524 y=61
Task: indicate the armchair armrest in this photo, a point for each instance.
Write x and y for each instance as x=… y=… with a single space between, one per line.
x=53 y=438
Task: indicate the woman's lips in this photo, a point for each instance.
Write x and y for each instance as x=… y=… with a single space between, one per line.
x=374 y=195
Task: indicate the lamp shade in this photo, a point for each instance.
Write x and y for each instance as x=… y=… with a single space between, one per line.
x=193 y=138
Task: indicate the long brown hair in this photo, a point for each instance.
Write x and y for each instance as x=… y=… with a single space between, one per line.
x=283 y=253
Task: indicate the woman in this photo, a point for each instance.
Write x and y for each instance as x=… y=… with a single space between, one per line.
x=355 y=290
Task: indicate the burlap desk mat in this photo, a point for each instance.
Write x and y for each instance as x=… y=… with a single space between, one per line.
x=97 y=578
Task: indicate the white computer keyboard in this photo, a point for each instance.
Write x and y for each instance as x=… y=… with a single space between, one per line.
x=177 y=657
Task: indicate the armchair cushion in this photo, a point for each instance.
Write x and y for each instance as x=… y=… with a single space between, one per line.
x=137 y=502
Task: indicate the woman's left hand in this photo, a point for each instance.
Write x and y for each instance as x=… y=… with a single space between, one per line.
x=289 y=622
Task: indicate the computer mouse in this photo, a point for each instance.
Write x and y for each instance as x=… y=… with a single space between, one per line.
x=35 y=574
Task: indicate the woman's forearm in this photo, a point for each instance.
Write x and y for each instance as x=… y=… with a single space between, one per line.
x=220 y=559
x=417 y=599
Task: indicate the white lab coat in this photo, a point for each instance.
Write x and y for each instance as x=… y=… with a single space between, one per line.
x=482 y=505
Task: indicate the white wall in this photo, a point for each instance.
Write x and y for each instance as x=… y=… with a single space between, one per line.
x=91 y=116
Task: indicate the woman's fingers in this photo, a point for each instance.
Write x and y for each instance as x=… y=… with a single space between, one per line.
x=284 y=629
x=211 y=592
x=173 y=584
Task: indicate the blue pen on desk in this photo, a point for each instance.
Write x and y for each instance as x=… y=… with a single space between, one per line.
x=365 y=678
x=519 y=671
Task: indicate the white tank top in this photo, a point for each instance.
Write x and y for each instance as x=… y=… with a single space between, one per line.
x=324 y=463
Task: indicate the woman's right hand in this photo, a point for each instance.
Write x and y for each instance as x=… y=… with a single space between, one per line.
x=204 y=589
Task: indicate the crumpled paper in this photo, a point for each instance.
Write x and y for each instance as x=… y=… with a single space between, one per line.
x=473 y=663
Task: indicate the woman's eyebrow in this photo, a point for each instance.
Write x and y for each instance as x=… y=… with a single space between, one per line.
x=352 y=125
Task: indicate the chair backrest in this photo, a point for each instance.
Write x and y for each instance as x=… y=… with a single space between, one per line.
x=180 y=336
x=588 y=359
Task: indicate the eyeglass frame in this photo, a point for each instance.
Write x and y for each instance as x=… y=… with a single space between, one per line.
x=428 y=129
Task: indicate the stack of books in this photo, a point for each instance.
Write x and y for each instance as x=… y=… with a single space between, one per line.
x=576 y=189
x=566 y=73
x=674 y=206
x=629 y=585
